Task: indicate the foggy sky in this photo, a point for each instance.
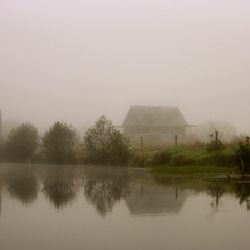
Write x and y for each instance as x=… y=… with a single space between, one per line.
x=74 y=60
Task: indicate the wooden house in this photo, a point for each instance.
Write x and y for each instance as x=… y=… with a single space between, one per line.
x=149 y=125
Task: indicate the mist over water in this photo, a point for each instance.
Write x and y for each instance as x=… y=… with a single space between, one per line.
x=75 y=60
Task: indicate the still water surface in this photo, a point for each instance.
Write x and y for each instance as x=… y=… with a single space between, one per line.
x=92 y=208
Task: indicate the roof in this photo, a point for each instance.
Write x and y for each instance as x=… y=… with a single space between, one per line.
x=154 y=116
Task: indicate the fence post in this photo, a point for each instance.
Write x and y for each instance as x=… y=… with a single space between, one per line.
x=176 y=140
x=141 y=141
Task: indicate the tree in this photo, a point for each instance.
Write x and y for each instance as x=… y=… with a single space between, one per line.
x=60 y=143
x=22 y=142
x=106 y=145
x=243 y=156
x=1 y=150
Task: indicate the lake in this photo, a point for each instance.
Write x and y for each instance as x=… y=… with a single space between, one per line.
x=104 y=208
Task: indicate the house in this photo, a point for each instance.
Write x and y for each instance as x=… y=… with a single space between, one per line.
x=150 y=125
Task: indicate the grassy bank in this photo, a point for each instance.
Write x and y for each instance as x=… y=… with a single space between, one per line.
x=189 y=159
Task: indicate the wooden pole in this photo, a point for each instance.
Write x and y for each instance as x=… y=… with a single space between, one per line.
x=142 y=151
x=176 y=140
x=217 y=137
x=141 y=141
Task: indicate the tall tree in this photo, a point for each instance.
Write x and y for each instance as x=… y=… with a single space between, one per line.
x=22 y=142
x=60 y=143
x=106 y=145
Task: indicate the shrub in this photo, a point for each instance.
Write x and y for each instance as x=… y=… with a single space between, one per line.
x=225 y=159
x=60 y=143
x=141 y=159
x=221 y=158
x=181 y=160
x=214 y=145
x=106 y=145
x=137 y=160
x=163 y=157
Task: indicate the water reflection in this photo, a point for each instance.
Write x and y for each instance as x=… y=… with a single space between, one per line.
x=150 y=199
x=1 y=184
x=242 y=191
x=216 y=188
x=60 y=186
x=106 y=188
x=22 y=184
x=216 y=191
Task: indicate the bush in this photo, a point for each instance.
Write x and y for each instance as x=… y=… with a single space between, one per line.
x=225 y=159
x=163 y=157
x=214 y=146
x=137 y=160
x=22 y=142
x=106 y=145
x=181 y=160
x=60 y=143
x=140 y=159
x=221 y=158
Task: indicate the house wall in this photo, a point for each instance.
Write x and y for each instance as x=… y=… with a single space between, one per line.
x=154 y=129
x=157 y=135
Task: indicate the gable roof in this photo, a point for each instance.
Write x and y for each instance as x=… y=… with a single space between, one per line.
x=154 y=116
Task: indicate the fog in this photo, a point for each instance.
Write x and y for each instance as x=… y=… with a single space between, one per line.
x=76 y=60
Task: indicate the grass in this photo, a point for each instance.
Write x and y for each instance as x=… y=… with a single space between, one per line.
x=189 y=160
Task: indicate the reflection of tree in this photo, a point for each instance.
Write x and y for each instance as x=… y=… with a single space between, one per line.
x=242 y=191
x=0 y=194
x=216 y=191
x=103 y=191
x=22 y=184
x=60 y=186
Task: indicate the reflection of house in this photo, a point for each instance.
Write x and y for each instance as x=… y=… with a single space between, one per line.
x=155 y=125
x=150 y=199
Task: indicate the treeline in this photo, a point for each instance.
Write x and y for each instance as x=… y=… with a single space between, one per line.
x=61 y=144
x=103 y=144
